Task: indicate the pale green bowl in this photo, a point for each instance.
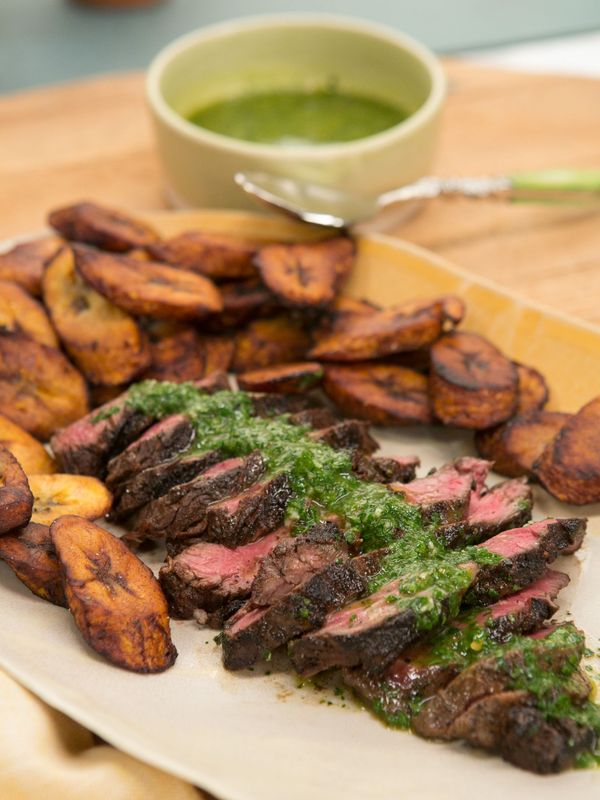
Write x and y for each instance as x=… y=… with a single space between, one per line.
x=279 y=52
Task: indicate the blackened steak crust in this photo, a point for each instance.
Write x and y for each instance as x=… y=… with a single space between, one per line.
x=249 y=514
x=294 y=560
x=416 y=675
x=209 y=576
x=525 y=553
x=379 y=469
x=374 y=631
x=507 y=505
x=181 y=511
x=350 y=434
x=85 y=447
x=159 y=443
x=154 y=482
x=253 y=633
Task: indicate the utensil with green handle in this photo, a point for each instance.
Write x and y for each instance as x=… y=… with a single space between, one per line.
x=324 y=205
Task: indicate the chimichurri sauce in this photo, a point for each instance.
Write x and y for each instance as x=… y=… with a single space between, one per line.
x=293 y=117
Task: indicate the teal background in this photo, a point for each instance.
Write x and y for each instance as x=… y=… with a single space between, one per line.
x=45 y=41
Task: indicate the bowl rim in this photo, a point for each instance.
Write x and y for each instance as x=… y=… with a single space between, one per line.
x=196 y=133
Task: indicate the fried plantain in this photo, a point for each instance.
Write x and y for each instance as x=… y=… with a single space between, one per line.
x=116 y=601
x=214 y=255
x=146 y=287
x=177 y=357
x=454 y=309
x=242 y=301
x=24 y=263
x=385 y=394
x=569 y=467
x=283 y=378
x=265 y=342
x=29 y=552
x=105 y=342
x=20 y=313
x=57 y=495
x=104 y=227
x=306 y=275
x=218 y=353
x=16 y=499
x=99 y=395
x=516 y=445
x=473 y=385
x=533 y=389
x=39 y=389
x=358 y=337
x=30 y=454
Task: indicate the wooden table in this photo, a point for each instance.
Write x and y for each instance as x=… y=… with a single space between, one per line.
x=93 y=139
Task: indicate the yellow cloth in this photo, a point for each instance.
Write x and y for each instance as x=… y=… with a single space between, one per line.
x=46 y=756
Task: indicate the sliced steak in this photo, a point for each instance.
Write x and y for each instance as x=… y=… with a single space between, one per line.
x=85 y=447
x=296 y=559
x=180 y=513
x=209 y=576
x=154 y=482
x=420 y=671
x=525 y=553
x=253 y=633
x=351 y=434
x=374 y=631
x=247 y=515
x=382 y=469
x=440 y=716
x=444 y=495
x=272 y=405
x=159 y=443
x=507 y=505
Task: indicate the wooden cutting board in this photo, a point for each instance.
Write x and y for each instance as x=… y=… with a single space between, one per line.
x=93 y=139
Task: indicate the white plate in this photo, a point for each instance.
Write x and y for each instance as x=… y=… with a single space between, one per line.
x=260 y=737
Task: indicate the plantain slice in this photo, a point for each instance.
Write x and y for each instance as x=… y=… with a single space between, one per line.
x=20 y=313
x=218 y=353
x=516 y=445
x=177 y=357
x=242 y=302
x=29 y=552
x=57 y=495
x=39 y=389
x=358 y=337
x=306 y=275
x=214 y=255
x=16 y=500
x=265 y=342
x=116 y=601
x=99 y=395
x=569 y=467
x=454 y=309
x=104 y=227
x=24 y=263
x=105 y=342
x=473 y=385
x=385 y=394
x=30 y=454
x=282 y=378
x=533 y=389
x=146 y=287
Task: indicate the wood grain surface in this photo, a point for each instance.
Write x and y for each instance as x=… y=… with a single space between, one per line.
x=93 y=139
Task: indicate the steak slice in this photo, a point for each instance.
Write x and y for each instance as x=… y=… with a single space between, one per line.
x=210 y=576
x=253 y=633
x=180 y=513
x=382 y=469
x=247 y=515
x=420 y=671
x=296 y=559
x=85 y=447
x=444 y=495
x=507 y=505
x=154 y=482
x=374 y=631
x=350 y=434
x=272 y=405
x=159 y=443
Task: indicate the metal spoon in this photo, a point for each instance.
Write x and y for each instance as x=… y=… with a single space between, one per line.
x=336 y=208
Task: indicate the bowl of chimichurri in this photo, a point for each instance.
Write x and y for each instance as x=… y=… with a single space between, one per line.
x=337 y=101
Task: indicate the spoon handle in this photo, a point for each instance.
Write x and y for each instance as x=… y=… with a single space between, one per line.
x=556 y=186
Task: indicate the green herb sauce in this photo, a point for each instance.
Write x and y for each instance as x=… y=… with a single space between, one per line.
x=292 y=117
